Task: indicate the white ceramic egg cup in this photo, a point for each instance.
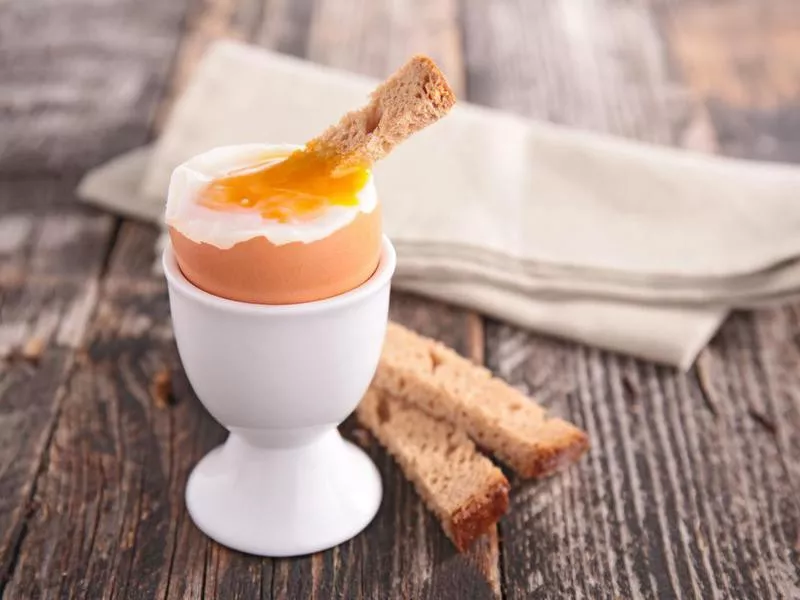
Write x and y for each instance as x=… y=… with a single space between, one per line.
x=280 y=379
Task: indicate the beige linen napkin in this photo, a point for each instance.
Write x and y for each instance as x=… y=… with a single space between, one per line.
x=622 y=245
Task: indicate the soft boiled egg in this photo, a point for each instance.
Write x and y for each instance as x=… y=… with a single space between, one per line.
x=248 y=225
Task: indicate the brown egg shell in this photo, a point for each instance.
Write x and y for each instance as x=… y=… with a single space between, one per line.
x=260 y=272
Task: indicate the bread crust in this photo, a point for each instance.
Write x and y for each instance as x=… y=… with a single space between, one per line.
x=466 y=492
x=478 y=515
x=415 y=96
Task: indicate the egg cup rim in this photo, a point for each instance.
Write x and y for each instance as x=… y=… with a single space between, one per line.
x=381 y=277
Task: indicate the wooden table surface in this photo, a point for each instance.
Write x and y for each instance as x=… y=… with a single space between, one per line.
x=692 y=485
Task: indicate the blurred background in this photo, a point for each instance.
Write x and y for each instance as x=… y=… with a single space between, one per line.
x=99 y=428
x=85 y=80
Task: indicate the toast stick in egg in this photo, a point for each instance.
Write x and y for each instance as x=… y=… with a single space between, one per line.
x=415 y=96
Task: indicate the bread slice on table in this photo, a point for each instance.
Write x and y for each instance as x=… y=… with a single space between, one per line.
x=498 y=417
x=458 y=484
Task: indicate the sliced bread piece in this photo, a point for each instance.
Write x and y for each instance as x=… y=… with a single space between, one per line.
x=457 y=483
x=498 y=417
x=415 y=96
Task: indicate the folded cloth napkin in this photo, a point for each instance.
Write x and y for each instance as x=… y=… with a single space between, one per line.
x=631 y=247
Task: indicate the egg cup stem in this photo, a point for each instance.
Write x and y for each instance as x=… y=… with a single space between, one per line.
x=284 y=501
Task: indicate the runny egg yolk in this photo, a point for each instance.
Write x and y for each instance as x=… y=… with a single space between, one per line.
x=298 y=188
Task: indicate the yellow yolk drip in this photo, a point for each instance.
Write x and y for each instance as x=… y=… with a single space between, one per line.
x=295 y=189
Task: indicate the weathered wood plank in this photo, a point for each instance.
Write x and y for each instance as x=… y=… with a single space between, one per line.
x=51 y=256
x=28 y=406
x=42 y=312
x=669 y=502
x=284 y=26
x=749 y=365
x=42 y=231
x=80 y=79
x=374 y=38
x=59 y=116
x=750 y=87
x=135 y=253
x=672 y=500
x=554 y=61
x=60 y=111
x=116 y=467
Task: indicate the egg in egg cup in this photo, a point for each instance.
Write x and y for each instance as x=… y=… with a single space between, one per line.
x=278 y=331
x=281 y=378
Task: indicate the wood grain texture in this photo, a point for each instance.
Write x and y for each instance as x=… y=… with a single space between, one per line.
x=79 y=82
x=555 y=61
x=81 y=79
x=758 y=71
x=30 y=397
x=750 y=87
x=51 y=256
x=116 y=468
x=670 y=502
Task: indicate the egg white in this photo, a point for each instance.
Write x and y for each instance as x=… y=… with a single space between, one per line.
x=226 y=229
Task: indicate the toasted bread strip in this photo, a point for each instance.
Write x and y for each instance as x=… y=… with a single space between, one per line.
x=415 y=96
x=499 y=418
x=457 y=483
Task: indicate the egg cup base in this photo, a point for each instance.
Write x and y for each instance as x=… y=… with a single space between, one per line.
x=282 y=502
